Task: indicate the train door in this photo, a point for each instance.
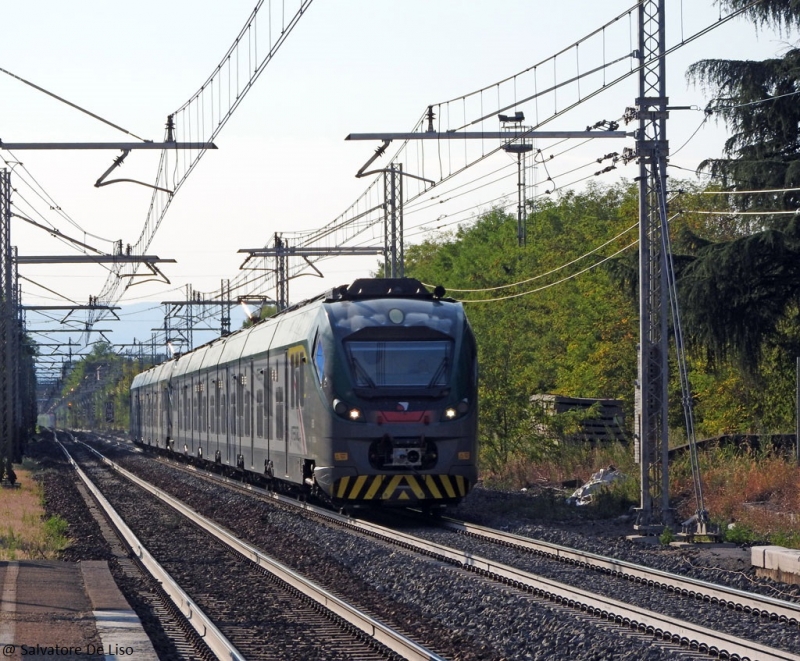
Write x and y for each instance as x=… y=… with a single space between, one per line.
x=199 y=395
x=281 y=373
x=251 y=432
x=268 y=414
x=136 y=417
x=168 y=405
x=218 y=413
x=296 y=384
x=206 y=429
x=158 y=395
x=239 y=405
x=186 y=409
x=285 y=430
x=226 y=413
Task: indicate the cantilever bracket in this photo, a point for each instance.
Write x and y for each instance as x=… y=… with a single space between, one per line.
x=308 y=261
x=380 y=151
x=118 y=162
x=154 y=270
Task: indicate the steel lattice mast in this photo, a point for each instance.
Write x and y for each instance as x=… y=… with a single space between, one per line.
x=651 y=386
x=9 y=334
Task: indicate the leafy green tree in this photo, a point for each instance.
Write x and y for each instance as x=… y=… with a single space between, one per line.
x=541 y=326
x=100 y=379
x=264 y=312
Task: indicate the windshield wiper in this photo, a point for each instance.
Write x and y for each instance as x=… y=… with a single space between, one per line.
x=439 y=372
x=359 y=370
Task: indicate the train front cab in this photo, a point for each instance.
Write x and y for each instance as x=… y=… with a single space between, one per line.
x=403 y=390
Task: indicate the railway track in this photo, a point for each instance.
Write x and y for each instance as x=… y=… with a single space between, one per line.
x=256 y=608
x=692 y=602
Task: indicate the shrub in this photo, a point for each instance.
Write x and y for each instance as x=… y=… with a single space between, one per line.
x=739 y=534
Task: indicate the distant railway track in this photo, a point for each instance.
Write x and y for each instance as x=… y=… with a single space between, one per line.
x=690 y=604
x=256 y=608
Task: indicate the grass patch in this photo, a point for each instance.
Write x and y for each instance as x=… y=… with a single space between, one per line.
x=24 y=532
x=753 y=495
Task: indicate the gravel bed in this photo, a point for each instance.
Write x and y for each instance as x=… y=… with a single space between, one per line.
x=61 y=497
x=262 y=619
x=506 y=511
x=482 y=620
x=711 y=616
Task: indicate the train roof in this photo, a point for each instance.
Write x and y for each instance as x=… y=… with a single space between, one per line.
x=264 y=333
x=364 y=288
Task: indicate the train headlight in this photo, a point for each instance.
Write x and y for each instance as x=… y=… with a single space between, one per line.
x=343 y=410
x=453 y=412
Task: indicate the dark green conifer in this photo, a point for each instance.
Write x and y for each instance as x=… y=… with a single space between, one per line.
x=737 y=294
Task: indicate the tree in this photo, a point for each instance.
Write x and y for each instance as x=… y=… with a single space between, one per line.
x=737 y=294
x=98 y=383
x=759 y=104
x=552 y=330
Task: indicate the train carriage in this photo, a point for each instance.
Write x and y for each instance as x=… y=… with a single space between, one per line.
x=365 y=395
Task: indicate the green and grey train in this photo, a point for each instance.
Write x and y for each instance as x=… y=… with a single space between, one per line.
x=364 y=395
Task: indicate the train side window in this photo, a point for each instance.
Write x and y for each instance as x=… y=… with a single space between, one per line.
x=247 y=407
x=213 y=416
x=301 y=380
x=279 y=422
x=319 y=358
x=233 y=413
x=166 y=405
x=260 y=413
x=223 y=414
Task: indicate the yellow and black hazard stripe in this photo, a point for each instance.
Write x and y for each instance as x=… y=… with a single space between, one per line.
x=401 y=487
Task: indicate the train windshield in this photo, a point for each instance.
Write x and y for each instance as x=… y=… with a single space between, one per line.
x=393 y=364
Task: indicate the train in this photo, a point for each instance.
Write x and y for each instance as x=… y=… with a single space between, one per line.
x=364 y=396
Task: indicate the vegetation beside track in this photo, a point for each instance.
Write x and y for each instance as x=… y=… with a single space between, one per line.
x=26 y=532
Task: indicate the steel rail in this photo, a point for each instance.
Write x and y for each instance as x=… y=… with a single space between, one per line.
x=783 y=611
x=201 y=623
x=661 y=626
x=749 y=602
x=365 y=623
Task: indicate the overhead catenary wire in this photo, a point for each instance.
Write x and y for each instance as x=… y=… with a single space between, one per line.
x=452 y=172
x=748 y=192
x=43 y=195
x=266 y=277
x=752 y=103
x=691 y=137
x=73 y=105
x=552 y=284
x=796 y=212
x=551 y=179
x=555 y=270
